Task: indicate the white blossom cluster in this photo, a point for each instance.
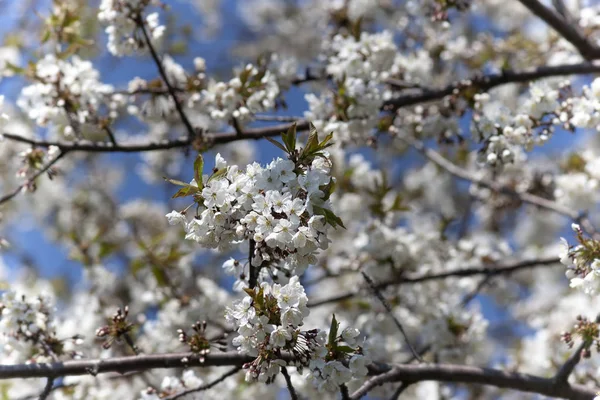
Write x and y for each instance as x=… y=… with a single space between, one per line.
x=358 y=66
x=66 y=93
x=268 y=321
x=121 y=16
x=502 y=131
x=370 y=57
x=275 y=206
x=27 y=328
x=453 y=333
x=159 y=109
x=327 y=373
x=582 y=262
x=268 y=324
x=549 y=105
x=585 y=109
x=253 y=89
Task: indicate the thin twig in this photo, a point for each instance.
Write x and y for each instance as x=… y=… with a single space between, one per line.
x=131 y=343
x=508 y=268
x=47 y=389
x=288 y=382
x=470 y=296
x=207 y=386
x=390 y=312
x=403 y=386
x=32 y=179
x=111 y=135
x=525 y=197
x=161 y=69
x=344 y=392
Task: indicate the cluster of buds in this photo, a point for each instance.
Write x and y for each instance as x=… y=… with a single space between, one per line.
x=198 y=342
x=118 y=329
x=589 y=333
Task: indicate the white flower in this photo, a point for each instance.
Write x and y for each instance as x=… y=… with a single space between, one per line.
x=358 y=365
x=119 y=15
x=175 y=217
x=279 y=337
x=349 y=335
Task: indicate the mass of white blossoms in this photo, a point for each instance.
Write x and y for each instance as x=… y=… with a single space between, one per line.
x=253 y=89
x=27 y=328
x=65 y=93
x=121 y=17
x=359 y=65
x=283 y=209
x=268 y=325
x=369 y=57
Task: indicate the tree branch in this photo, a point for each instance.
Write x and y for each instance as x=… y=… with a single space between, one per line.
x=569 y=31
x=406 y=373
x=412 y=373
x=121 y=365
x=567 y=368
x=455 y=273
x=210 y=139
x=485 y=83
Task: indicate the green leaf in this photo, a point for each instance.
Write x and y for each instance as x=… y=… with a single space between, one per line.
x=345 y=349
x=330 y=217
x=46 y=35
x=333 y=331
x=176 y=182
x=107 y=249
x=328 y=189
x=198 y=168
x=312 y=143
x=219 y=174
x=137 y=265
x=186 y=191
x=69 y=51
x=14 y=68
x=325 y=143
x=276 y=143
x=160 y=276
x=398 y=205
x=289 y=138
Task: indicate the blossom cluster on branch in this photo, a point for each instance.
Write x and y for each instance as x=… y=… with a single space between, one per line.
x=402 y=224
